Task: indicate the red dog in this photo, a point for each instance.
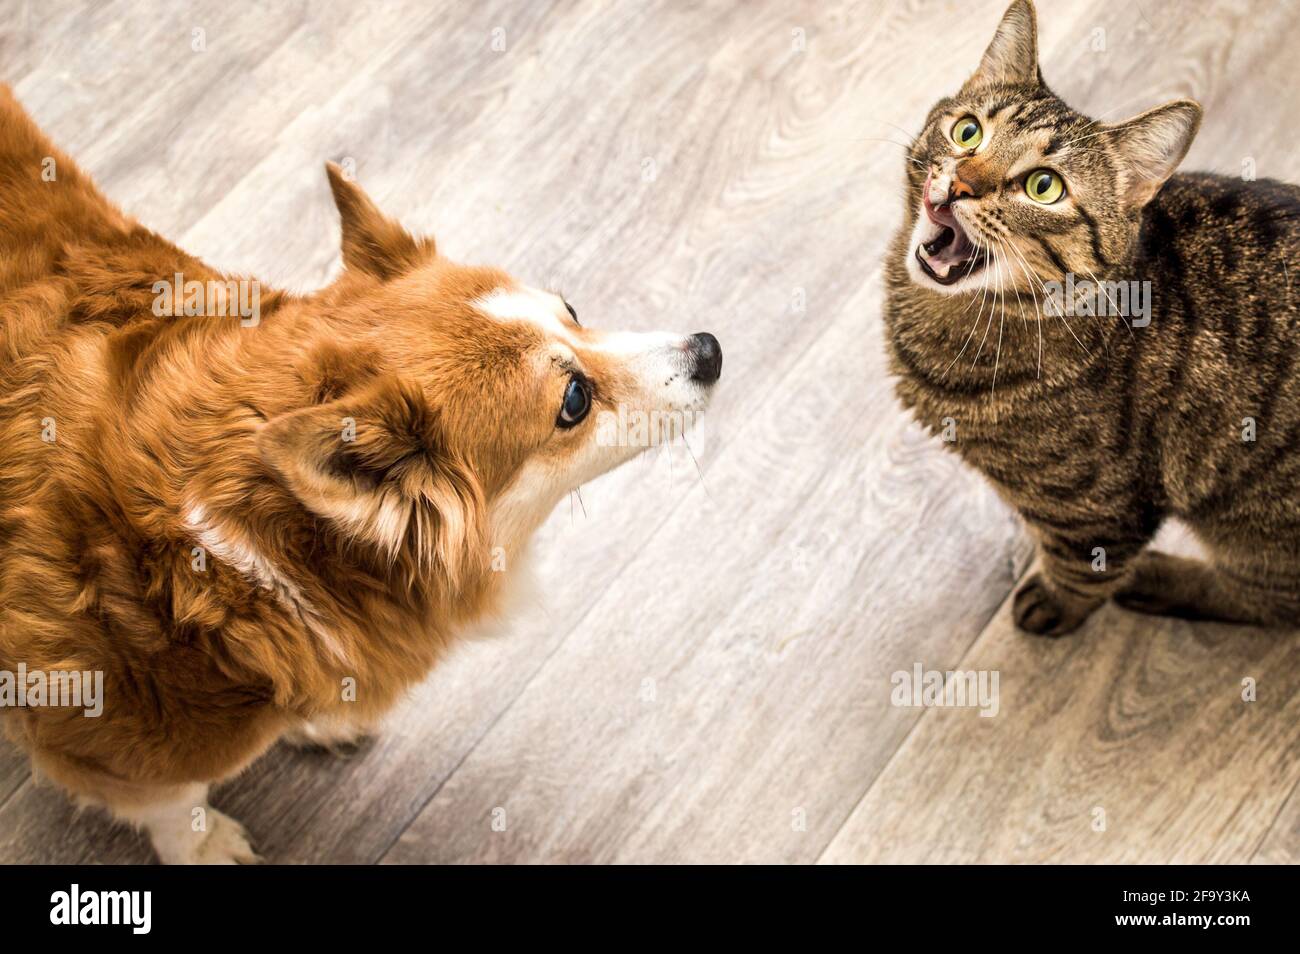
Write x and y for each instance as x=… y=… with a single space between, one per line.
x=257 y=514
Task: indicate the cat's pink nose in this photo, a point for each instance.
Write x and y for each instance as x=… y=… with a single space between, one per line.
x=945 y=191
x=939 y=213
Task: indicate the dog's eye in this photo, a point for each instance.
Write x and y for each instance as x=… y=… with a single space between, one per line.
x=572 y=314
x=577 y=402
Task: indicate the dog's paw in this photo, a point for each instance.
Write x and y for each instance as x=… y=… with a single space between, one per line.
x=223 y=842
x=331 y=739
x=1039 y=609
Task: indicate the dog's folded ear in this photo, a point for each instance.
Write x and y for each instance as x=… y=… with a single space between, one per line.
x=375 y=465
x=373 y=243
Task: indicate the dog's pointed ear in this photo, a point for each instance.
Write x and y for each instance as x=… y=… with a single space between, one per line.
x=373 y=243
x=375 y=465
x=1152 y=145
x=1012 y=56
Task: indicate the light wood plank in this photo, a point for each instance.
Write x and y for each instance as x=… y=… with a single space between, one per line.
x=41 y=826
x=1137 y=726
x=14 y=770
x=1281 y=846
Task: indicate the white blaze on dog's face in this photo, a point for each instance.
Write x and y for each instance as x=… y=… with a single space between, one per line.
x=594 y=383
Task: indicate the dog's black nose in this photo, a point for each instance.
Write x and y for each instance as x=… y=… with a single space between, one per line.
x=706 y=357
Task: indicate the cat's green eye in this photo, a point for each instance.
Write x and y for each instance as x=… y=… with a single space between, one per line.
x=967 y=132
x=1044 y=185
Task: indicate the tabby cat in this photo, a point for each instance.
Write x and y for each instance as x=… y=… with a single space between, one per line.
x=1183 y=402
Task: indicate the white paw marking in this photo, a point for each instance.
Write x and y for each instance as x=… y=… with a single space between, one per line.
x=223 y=843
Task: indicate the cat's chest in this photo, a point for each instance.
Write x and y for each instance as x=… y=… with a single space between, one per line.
x=1032 y=446
x=970 y=417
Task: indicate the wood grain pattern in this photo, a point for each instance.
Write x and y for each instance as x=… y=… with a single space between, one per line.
x=14 y=770
x=1130 y=744
x=707 y=675
x=1281 y=846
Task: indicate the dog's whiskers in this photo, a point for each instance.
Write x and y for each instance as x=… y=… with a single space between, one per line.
x=698 y=470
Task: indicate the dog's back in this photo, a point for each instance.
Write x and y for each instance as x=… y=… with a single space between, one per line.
x=48 y=207
x=76 y=279
x=67 y=254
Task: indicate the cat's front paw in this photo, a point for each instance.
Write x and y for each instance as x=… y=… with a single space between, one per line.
x=1044 y=611
x=1162 y=584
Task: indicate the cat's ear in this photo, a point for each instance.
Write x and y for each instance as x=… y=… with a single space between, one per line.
x=1012 y=57
x=373 y=243
x=1152 y=145
x=375 y=464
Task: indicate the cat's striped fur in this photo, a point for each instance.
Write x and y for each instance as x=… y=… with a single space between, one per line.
x=1095 y=430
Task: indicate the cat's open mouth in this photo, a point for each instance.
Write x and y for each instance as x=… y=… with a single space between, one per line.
x=946 y=252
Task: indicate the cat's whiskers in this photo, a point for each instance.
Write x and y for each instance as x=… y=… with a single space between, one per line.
x=1038 y=315
x=1034 y=283
x=984 y=278
x=1002 y=298
x=977 y=233
x=884 y=122
x=908 y=149
x=989 y=326
x=1061 y=315
x=965 y=345
x=892 y=142
x=1005 y=244
x=974 y=324
x=1005 y=241
x=1000 y=236
x=1061 y=150
x=1114 y=306
x=1033 y=296
x=970 y=265
x=1095 y=123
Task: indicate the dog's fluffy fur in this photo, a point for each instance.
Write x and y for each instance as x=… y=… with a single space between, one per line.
x=181 y=510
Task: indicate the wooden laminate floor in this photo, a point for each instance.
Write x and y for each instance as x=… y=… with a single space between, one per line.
x=708 y=677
